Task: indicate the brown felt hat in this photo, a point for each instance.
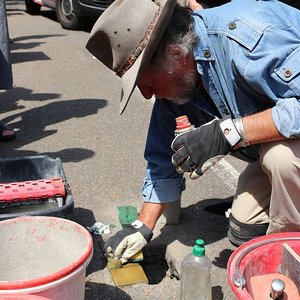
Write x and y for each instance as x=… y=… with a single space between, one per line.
x=125 y=37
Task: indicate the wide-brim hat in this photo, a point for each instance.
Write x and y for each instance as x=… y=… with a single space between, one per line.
x=125 y=37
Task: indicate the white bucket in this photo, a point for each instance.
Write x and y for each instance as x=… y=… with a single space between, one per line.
x=44 y=256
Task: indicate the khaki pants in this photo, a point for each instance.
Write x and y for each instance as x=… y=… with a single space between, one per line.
x=269 y=190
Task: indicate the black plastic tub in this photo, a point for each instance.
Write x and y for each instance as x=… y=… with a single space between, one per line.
x=30 y=168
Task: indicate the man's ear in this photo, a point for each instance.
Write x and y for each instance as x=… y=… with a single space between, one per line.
x=177 y=56
x=174 y=51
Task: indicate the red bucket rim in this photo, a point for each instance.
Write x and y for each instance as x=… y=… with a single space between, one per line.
x=236 y=253
x=22 y=297
x=42 y=280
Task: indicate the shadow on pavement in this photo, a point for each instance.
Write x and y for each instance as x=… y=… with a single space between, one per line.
x=154 y=264
x=9 y=99
x=33 y=122
x=28 y=56
x=205 y=219
x=217 y=293
x=95 y=290
x=221 y=260
x=85 y=217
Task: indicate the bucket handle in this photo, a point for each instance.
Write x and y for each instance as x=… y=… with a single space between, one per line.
x=238 y=279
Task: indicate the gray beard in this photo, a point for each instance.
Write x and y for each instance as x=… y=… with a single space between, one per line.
x=190 y=81
x=185 y=97
x=179 y=101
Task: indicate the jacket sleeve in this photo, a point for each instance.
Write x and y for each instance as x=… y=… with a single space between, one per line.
x=273 y=60
x=274 y=70
x=255 y=60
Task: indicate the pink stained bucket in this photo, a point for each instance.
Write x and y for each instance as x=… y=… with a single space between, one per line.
x=44 y=256
x=259 y=256
x=22 y=297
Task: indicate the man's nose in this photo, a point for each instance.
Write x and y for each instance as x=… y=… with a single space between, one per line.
x=146 y=92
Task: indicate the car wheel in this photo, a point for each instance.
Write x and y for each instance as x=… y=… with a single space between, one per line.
x=32 y=8
x=66 y=15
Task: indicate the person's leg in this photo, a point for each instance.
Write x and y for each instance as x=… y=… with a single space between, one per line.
x=6 y=78
x=281 y=162
x=6 y=82
x=268 y=192
x=250 y=207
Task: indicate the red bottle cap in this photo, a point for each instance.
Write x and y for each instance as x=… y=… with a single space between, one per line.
x=182 y=122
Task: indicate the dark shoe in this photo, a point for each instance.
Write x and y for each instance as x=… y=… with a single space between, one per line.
x=9 y=135
x=239 y=233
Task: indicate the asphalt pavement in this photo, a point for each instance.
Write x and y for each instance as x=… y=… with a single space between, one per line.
x=66 y=104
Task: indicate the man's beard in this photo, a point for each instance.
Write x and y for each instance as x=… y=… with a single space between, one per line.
x=187 y=86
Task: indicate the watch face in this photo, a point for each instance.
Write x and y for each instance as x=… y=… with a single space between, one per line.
x=137 y=224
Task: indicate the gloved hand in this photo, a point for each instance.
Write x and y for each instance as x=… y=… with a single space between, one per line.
x=199 y=149
x=128 y=241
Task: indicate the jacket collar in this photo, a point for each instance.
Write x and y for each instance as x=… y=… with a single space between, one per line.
x=203 y=50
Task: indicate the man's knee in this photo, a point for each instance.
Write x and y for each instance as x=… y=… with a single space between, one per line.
x=279 y=159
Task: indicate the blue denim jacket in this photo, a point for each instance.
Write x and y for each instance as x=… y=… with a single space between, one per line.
x=248 y=54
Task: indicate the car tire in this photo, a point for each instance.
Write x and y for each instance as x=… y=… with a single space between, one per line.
x=66 y=15
x=32 y=8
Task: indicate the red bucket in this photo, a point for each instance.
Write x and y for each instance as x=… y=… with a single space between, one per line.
x=260 y=256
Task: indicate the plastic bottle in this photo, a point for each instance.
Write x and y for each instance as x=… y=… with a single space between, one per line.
x=195 y=275
x=183 y=125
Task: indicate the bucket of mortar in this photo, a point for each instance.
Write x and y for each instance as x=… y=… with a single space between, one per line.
x=44 y=256
x=259 y=256
x=22 y=297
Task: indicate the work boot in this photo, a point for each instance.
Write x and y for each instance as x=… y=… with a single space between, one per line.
x=239 y=233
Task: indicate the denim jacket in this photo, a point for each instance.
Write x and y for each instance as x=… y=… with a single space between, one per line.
x=248 y=54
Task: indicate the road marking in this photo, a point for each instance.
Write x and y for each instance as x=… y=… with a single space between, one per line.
x=229 y=175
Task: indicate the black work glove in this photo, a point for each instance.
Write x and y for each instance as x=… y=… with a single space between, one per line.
x=128 y=241
x=199 y=149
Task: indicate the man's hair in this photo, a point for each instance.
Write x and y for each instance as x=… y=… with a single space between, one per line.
x=180 y=32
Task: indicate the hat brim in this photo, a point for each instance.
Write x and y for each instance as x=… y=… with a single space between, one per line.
x=131 y=76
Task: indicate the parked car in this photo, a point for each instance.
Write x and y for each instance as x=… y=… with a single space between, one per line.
x=71 y=14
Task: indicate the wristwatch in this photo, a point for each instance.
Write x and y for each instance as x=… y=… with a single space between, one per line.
x=238 y=123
